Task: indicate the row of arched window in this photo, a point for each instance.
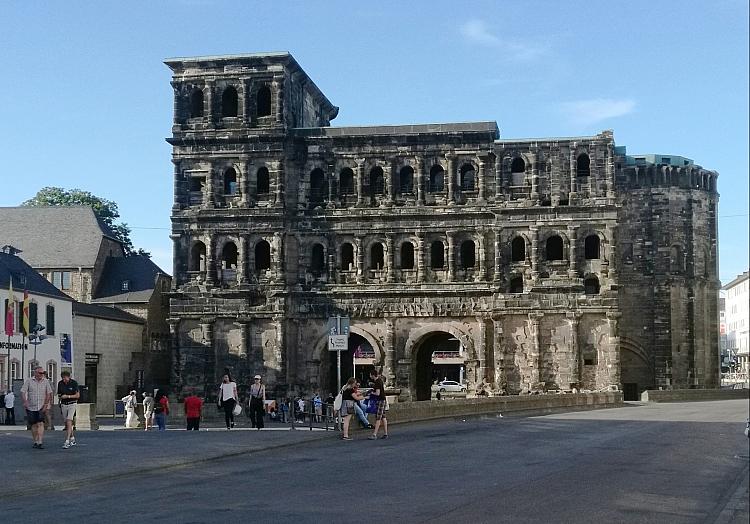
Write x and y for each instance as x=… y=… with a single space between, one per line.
x=230 y=106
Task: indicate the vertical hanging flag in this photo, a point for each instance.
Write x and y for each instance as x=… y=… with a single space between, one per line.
x=10 y=310
x=25 y=312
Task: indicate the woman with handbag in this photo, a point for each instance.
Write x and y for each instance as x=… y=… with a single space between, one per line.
x=228 y=398
x=257 y=402
x=349 y=397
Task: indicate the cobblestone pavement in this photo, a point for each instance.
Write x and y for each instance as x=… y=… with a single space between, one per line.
x=681 y=462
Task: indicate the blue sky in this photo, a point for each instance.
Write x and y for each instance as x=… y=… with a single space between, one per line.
x=86 y=100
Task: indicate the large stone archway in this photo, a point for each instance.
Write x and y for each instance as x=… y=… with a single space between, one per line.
x=636 y=369
x=319 y=367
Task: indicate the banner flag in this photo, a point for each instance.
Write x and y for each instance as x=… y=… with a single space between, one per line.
x=26 y=312
x=10 y=318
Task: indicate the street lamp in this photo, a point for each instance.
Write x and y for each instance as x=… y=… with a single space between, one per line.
x=36 y=338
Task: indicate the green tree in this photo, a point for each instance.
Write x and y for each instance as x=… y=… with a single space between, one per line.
x=105 y=210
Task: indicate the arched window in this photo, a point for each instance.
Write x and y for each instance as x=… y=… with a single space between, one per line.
x=33 y=364
x=583 y=165
x=591 y=247
x=263 y=181
x=346 y=182
x=347 y=257
x=468 y=176
x=437 y=255
x=229 y=102
x=406 y=180
x=198 y=257
x=229 y=256
x=263 y=99
x=377 y=182
x=554 y=248
x=437 y=179
x=196 y=103
x=591 y=285
x=230 y=181
x=468 y=254
x=317 y=260
x=407 y=255
x=318 y=186
x=516 y=284
x=262 y=256
x=377 y=260
x=518 y=250
x=518 y=165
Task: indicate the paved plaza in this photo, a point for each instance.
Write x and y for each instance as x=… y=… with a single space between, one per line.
x=678 y=462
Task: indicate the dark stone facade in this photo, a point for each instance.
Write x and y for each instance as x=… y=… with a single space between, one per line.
x=553 y=263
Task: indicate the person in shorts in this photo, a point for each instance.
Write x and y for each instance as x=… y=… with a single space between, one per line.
x=68 y=394
x=36 y=393
x=148 y=410
x=378 y=393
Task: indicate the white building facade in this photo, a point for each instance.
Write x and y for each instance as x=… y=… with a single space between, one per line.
x=737 y=319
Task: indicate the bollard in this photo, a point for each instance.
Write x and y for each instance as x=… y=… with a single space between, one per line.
x=291 y=413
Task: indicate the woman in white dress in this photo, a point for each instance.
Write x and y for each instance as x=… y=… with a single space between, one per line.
x=130 y=402
x=228 y=398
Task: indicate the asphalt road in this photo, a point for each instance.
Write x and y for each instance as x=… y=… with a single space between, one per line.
x=678 y=462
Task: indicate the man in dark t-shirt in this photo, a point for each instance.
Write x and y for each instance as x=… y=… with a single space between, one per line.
x=378 y=392
x=68 y=393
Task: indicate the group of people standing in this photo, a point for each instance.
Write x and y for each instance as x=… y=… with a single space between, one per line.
x=351 y=397
x=228 y=400
x=155 y=410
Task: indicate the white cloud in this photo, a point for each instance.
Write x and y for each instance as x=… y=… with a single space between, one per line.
x=592 y=111
x=476 y=32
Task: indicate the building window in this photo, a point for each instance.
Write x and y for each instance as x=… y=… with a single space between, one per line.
x=61 y=279
x=318 y=187
x=591 y=285
x=346 y=182
x=15 y=369
x=406 y=180
x=377 y=259
x=263 y=100
x=407 y=255
x=229 y=102
x=437 y=179
x=518 y=250
x=50 y=319
x=468 y=176
x=52 y=371
x=676 y=259
x=554 y=248
x=262 y=256
x=263 y=181
x=377 y=182
x=230 y=181
x=437 y=255
x=516 y=284
x=347 y=257
x=591 y=247
x=468 y=254
x=583 y=165
x=196 y=104
x=198 y=257
x=317 y=260
x=229 y=256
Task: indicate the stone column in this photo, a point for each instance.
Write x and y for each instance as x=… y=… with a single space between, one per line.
x=242 y=266
x=210 y=262
x=389 y=272
x=451 y=178
x=244 y=345
x=572 y=265
x=176 y=367
x=332 y=183
x=420 y=258
x=610 y=171
x=607 y=252
x=614 y=349
x=209 y=96
x=208 y=191
x=277 y=95
x=286 y=360
x=572 y=193
x=535 y=353
x=278 y=177
x=389 y=176
x=451 y=255
x=179 y=186
x=331 y=250
x=482 y=273
x=482 y=178
x=358 y=241
x=207 y=340
x=534 y=233
x=278 y=258
x=244 y=182
x=176 y=113
x=482 y=349
x=498 y=353
x=420 y=181
x=177 y=266
x=388 y=364
x=575 y=350
x=535 y=180
x=360 y=182
x=497 y=272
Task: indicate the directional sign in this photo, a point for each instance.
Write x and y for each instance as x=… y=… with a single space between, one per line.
x=338 y=343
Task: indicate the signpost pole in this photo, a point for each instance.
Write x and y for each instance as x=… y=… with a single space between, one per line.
x=338 y=353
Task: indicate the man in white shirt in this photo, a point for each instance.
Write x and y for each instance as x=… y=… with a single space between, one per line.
x=10 y=412
x=36 y=393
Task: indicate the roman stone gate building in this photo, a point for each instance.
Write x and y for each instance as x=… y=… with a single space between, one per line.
x=535 y=264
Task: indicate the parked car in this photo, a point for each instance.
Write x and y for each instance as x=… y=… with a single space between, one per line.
x=449 y=385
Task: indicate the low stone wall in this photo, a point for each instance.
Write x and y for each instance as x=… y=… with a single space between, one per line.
x=686 y=395
x=436 y=409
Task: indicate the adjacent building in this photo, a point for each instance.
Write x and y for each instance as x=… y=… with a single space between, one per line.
x=534 y=264
x=737 y=321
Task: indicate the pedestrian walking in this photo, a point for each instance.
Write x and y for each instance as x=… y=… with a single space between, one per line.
x=349 y=396
x=257 y=402
x=130 y=401
x=228 y=398
x=378 y=393
x=161 y=410
x=318 y=405
x=68 y=395
x=148 y=410
x=193 y=406
x=36 y=394
x=300 y=409
x=10 y=410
